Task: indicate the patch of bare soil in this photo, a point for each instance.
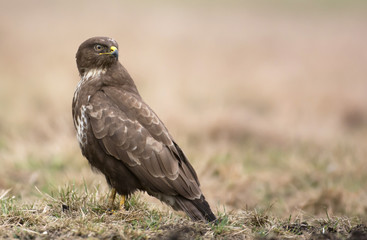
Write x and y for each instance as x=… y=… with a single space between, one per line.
x=306 y=231
x=175 y=232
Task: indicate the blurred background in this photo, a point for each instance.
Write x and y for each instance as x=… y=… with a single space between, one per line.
x=267 y=99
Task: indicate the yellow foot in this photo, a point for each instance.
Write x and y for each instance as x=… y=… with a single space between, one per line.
x=122 y=202
x=111 y=198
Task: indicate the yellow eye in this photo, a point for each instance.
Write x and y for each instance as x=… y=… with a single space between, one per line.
x=98 y=47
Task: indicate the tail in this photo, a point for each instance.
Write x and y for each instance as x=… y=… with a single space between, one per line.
x=197 y=210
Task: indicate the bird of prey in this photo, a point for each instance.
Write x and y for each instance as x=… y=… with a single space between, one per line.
x=124 y=139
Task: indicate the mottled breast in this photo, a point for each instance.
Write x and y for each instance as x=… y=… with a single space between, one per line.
x=81 y=103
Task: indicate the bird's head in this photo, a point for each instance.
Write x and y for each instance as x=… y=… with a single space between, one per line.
x=96 y=53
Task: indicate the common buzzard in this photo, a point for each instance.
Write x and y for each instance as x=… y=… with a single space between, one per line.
x=123 y=138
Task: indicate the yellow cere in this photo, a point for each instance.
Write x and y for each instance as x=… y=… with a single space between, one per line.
x=112 y=49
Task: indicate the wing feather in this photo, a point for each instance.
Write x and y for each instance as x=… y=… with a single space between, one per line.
x=154 y=169
x=132 y=133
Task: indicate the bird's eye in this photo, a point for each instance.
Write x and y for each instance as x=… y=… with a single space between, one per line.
x=98 y=47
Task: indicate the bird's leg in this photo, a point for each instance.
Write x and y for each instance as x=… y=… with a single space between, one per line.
x=111 y=198
x=122 y=202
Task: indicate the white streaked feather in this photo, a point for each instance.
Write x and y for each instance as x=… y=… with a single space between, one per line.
x=90 y=74
x=81 y=121
x=82 y=126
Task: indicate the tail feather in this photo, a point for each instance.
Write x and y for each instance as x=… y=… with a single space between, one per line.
x=197 y=210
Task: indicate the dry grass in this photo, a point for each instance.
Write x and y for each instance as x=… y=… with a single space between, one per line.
x=73 y=212
x=77 y=212
x=267 y=100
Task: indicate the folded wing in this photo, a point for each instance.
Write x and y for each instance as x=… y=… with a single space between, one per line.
x=131 y=132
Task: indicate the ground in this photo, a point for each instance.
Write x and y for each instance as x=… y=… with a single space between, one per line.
x=77 y=213
x=268 y=101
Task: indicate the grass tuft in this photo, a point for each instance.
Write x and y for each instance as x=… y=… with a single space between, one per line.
x=74 y=211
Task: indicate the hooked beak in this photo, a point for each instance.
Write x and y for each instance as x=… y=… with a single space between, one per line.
x=113 y=51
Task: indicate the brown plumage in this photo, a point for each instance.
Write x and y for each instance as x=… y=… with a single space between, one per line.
x=123 y=138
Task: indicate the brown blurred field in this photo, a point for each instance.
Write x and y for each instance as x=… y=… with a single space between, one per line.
x=268 y=101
